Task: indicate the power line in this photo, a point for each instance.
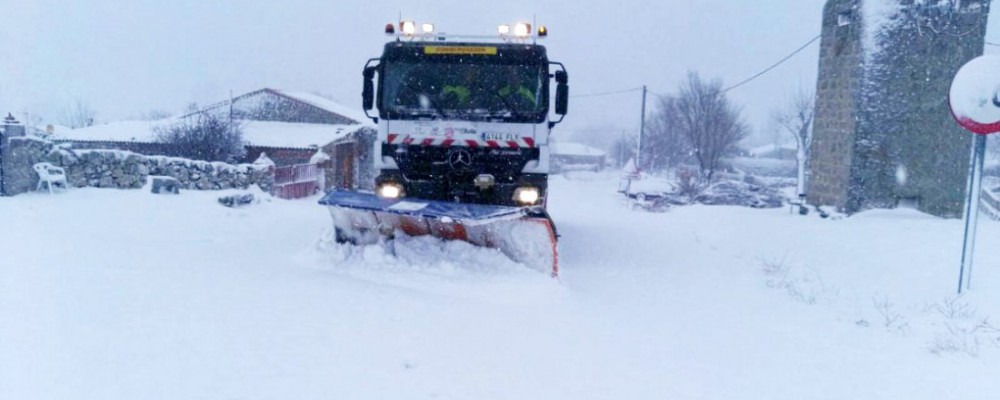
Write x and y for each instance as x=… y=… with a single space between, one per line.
x=992 y=44
x=607 y=93
x=768 y=69
x=657 y=94
x=745 y=81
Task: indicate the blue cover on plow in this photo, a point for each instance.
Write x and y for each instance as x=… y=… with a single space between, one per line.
x=460 y=212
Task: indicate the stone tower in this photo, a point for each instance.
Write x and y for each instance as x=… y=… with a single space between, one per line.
x=882 y=133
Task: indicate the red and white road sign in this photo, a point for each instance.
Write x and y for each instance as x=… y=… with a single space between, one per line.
x=975 y=95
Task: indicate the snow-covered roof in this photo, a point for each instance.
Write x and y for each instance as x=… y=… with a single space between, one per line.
x=119 y=131
x=258 y=133
x=43 y=129
x=574 y=149
x=772 y=148
x=328 y=105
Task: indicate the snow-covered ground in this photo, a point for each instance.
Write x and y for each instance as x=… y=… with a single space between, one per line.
x=110 y=294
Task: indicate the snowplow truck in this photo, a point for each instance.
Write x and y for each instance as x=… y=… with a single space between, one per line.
x=462 y=151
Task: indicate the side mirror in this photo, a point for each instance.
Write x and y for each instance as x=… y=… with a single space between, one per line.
x=562 y=98
x=368 y=93
x=562 y=93
x=562 y=77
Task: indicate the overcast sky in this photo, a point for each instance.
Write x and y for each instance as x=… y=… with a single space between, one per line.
x=127 y=57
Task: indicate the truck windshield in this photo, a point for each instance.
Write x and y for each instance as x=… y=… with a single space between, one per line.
x=457 y=90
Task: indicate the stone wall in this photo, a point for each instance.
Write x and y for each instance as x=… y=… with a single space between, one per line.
x=281 y=156
x=123 y=169
x=9 y=128
x=20 y=154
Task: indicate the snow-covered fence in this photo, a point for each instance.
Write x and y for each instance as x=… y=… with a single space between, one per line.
x=298 y=181
x=124 y=169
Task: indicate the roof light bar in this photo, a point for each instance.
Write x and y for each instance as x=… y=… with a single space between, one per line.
x=522 y=29
x=518 y=31
x=408 y=27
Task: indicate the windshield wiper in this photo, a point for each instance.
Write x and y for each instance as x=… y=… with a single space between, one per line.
x=510 y=107
x=423 y=113
x=437 y=108
x=420 y=113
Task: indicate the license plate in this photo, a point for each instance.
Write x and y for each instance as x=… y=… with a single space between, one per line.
x=500 y=136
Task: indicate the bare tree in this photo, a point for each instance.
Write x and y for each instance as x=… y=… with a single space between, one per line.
x=205 y=136
x=797 y=120
x=711 y=124
x=664 y=145
x=77 y=115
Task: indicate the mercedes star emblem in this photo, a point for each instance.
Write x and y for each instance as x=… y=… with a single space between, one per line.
x=459 y=158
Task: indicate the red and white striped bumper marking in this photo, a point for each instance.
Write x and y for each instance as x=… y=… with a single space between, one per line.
x=525 y=142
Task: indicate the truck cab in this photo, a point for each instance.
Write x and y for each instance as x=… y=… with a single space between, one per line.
x=465 y=121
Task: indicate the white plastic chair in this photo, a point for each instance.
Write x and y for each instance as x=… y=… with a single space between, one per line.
x=51 y=176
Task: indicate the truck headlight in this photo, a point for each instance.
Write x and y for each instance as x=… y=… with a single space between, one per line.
x=390 y=190
x=526 y=195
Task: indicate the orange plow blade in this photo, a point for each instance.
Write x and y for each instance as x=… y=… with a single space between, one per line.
x=526 y=235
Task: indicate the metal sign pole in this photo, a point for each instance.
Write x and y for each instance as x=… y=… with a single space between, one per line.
x=642 y=128
x=3 y=135
x=974 y=192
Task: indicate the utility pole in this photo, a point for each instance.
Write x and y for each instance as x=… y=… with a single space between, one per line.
x=642 y=127
x=621 y=150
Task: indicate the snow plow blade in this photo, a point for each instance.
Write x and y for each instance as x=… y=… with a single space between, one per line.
x=524 y=234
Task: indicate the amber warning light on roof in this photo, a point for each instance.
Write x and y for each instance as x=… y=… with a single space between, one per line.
x=462 y=50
